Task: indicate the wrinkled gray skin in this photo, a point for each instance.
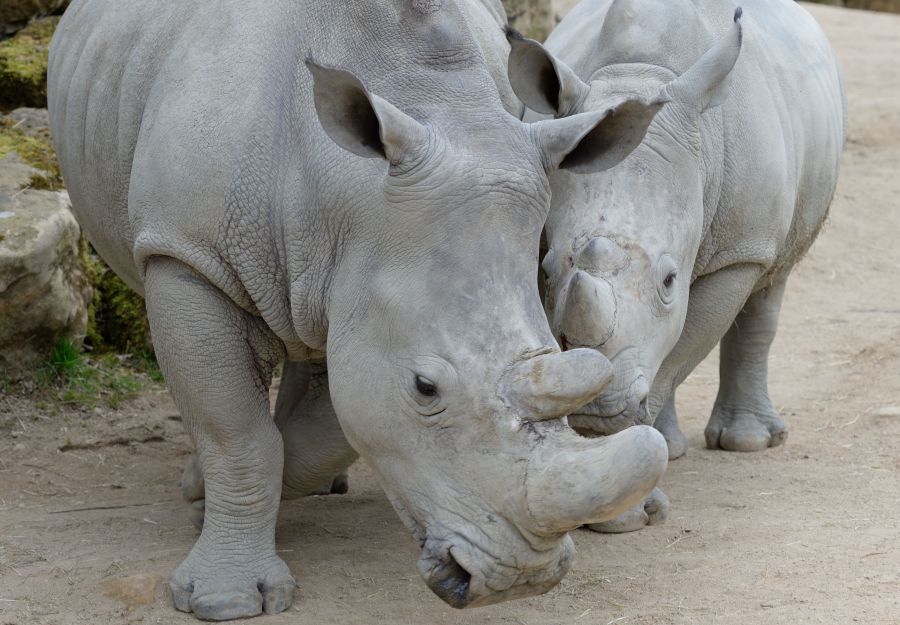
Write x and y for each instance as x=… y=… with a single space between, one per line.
x=386 y=245
x=689 y=240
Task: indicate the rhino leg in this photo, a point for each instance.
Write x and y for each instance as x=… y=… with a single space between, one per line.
x=316 y=453
x=217 y=360
x=652 y=511
x=743 y=417
x=667 y=423
x=715 y=301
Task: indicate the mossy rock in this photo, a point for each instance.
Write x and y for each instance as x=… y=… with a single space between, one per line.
x=35 y=148
x=15 y=14
x=23 y=65
x=117 y=317
x=533 y=18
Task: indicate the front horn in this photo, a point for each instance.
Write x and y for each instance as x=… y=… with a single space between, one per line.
x=573 y=481
x=553 y=385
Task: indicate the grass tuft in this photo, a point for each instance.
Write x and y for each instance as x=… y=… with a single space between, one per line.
x=72 y=377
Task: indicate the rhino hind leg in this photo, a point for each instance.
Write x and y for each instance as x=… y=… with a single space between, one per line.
x=652 y=511
x=316 y=454
x=743 y=417
x=667 y=423
x=217 y=360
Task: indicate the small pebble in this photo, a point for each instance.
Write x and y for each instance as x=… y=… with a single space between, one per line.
x=888 y=411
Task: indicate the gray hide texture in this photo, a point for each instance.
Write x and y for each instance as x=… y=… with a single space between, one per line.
x=340 y=185
x=688 y=241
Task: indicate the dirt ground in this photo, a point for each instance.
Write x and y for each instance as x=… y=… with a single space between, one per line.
x=805 y=533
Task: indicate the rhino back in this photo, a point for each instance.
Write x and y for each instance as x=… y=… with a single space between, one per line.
x=159 y=110
x=771 y=152
x=188 y=129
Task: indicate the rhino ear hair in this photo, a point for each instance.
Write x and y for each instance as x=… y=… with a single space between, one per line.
x=595 y=141
x=544 y=83
x=705 y=83
x=361 y=122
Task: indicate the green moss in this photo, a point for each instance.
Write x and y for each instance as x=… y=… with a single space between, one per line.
x=36 y=150
x=117 y=319
x=23 y=65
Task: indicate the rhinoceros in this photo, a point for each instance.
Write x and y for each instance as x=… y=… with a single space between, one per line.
x=689 y=240
x=339 y=184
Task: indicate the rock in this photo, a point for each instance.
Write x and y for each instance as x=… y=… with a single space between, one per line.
x=15 y=14
x=26 y=132
x=23 y=65
x=888 y=411
x=31 y=122
x=44 y=292
x=533 y=18
x=133 y=591
x=14 y=172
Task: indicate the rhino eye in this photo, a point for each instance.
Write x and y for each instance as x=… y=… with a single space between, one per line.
x=670 y=280
x=667 y=270
x=425 y=386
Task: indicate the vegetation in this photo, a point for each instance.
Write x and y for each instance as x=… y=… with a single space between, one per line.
x=117 y=319
x=70 y=376
x=118 y=359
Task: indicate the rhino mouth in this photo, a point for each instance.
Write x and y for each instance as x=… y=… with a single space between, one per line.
x=466 y=576
x=592 y=419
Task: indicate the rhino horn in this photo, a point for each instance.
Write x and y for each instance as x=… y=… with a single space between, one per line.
x=587 y=317
x=552 y=385
x=573 y=481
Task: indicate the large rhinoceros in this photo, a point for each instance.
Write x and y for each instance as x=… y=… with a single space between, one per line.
x=271 y=205
x=690 y=239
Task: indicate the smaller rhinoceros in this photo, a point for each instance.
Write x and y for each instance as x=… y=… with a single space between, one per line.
x=691 y=238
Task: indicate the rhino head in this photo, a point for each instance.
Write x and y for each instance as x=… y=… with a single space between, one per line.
x=622 y=242
x=443 y=369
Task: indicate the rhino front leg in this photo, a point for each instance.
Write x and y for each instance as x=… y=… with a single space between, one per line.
x=316 y=453
x=743 y=417
x=715 y=301
x=667 y=423
x=217 y=360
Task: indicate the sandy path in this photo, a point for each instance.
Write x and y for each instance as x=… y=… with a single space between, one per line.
x=806 y=533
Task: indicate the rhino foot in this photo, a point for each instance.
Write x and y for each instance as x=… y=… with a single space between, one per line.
x=744 y=430
x=338 y=486
x=247 y=586
x=652 y=511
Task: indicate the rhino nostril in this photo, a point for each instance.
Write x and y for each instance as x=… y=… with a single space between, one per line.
x=451 y=582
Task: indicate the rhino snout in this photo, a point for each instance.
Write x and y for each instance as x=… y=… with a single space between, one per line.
x=464 y=576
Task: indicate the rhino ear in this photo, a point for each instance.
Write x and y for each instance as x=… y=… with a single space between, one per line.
x=595 y=141
x=544 y=83
x=361 y=122
x=705 y=83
